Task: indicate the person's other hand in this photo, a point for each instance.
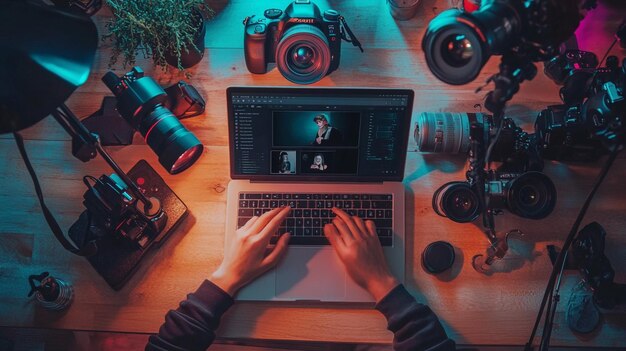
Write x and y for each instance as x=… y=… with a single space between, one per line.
x=358 y=247
x=318 y=140
x=247 y=256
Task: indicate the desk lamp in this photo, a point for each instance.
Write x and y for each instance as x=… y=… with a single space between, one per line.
x=45 y=54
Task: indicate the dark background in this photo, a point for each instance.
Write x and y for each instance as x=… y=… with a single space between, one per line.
x=342 y=161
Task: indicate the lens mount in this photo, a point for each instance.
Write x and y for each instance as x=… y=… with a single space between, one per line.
x=531 y=195
x=303 y=54
x=456 y=201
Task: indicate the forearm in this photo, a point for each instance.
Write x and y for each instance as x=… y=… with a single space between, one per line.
x=414 y=325
x=192 y=326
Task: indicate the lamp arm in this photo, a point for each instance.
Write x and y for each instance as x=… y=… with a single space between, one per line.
x=86 y=144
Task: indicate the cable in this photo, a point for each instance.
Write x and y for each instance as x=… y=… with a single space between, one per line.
x=574 y=230
x=500 y=117
x=606 y=54
x=551 y=311
x=90 y=248
x=568 y=241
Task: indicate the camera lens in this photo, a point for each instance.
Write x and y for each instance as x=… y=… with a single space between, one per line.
x=457 y=50
x=457 y=201
x=303 y=55
x=458 y=44
x=445 y=132
x=140 y=101
x=531 y=195
x=176 y=146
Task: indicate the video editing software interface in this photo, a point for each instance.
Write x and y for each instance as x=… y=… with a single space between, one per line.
x=319 y=133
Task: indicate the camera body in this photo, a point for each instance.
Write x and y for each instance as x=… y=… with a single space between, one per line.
x=144 y=105
x=304 y=43
x=591 y=119
x=564 y=135
x=563 y=66
x=527 y=194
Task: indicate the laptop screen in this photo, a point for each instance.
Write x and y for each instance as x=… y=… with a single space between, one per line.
x=312 y=133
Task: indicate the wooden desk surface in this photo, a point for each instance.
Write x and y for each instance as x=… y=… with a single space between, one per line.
x=499 y=308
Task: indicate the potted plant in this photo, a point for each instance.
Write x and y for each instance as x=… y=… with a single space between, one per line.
x=170 y=31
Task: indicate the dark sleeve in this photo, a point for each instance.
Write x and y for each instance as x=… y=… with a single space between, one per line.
x=414 y=326
x=336 y=137
x=192 y=326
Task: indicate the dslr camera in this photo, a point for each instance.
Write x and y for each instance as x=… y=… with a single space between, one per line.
x=144 y=105
x=517 y=185
x=119 y=226
x=111 y=207
x=304 y=43
x=591 y=119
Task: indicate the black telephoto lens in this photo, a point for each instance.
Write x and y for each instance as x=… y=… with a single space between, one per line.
x=140 y=101
x=531 y=195
x=176 y=146
x=458 y=44
x=457 y=201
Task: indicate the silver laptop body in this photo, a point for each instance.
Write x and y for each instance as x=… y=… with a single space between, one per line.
x=275 y=141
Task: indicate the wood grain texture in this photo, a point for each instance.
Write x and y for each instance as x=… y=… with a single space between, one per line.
x=498 y=308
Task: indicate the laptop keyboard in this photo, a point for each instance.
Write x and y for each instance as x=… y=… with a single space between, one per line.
x=311 y=211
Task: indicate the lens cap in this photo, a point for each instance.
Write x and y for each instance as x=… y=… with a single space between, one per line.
x=437 y=257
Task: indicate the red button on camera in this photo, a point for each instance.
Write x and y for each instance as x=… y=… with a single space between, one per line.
x=140 y=181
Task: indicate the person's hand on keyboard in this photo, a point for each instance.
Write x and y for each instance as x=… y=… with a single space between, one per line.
x=358 y=247
x=248 y=256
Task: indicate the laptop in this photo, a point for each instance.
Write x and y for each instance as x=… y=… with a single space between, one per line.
x=314 y=149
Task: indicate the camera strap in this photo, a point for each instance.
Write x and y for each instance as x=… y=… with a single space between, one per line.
x=352 y=39
x=90 y=248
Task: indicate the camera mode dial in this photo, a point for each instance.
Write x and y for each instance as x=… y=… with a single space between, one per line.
x=331 y=15
x=273 y=13
x=259 y=29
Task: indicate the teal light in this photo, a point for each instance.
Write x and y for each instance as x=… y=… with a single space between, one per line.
x=70 y=71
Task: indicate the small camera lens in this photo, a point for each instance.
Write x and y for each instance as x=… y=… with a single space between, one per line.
x=531 y=195
x=457 y=201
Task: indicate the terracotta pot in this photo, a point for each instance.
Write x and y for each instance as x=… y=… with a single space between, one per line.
x=193 y=55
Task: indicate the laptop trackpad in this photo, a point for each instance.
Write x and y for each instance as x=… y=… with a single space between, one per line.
x=311 y=274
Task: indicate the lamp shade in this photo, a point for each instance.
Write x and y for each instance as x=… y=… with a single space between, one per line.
x=45 y=54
